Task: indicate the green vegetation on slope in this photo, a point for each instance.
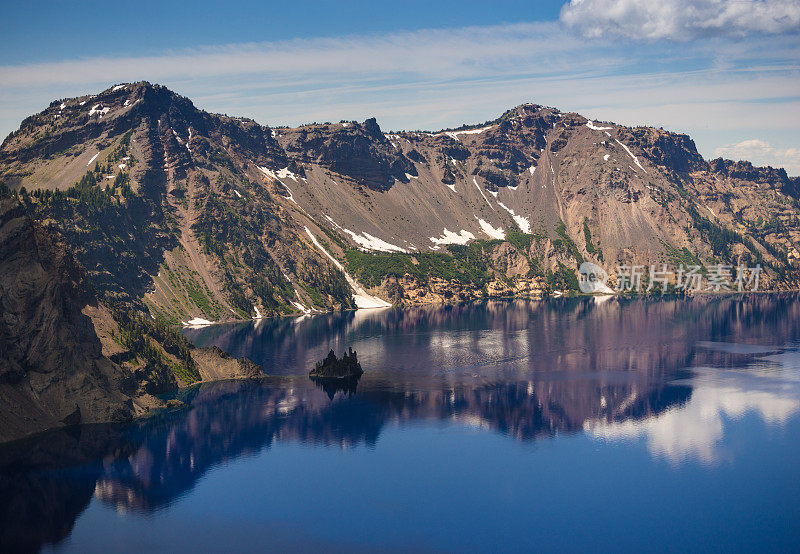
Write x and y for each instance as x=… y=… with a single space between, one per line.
x=564 y=243
x=141 y=335
x=563 y=278
x=590 y=247
x=722 y=240
x=466 y=264
x=117 y=235
x=235 y=233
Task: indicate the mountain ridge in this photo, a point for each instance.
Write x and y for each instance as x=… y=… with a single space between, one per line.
x=220 y=217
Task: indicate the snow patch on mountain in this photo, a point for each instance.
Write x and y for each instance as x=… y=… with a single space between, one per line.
x=197 y=322
x=367 y=301
x=449 y=237
x=97 y=109
x=329 y=218
x=361 y=297
x=300 y=307
x=594 y=127
x=284 y=173
x=291 y=194
x=454 y=134
x=523 y=224
x=93 y=159
x=635 y=159
x=474 y=180
x=368 y=241
x=495 y=233
x=371 y=242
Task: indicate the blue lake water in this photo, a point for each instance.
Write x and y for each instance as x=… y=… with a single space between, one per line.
x=569 y=424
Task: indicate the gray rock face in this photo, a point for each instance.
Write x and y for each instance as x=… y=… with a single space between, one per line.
x=215 y=364
x=358 y=151
x=52 y=371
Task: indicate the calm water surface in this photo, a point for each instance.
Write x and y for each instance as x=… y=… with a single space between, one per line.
x=578 y=425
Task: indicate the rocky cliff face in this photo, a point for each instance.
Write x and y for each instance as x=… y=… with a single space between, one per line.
x=359 y=152
x=188 y=214
x=67 y=358
x=52 y=370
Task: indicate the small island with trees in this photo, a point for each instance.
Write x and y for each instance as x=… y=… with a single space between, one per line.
x=338 y=368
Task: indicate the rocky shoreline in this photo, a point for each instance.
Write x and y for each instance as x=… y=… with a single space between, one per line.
x=68 y=357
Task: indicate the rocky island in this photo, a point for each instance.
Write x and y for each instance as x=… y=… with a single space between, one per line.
x=338 y=368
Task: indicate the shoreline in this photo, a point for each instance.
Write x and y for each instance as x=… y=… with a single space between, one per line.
x=569 y=294
x=150 y=406
x=149 y=413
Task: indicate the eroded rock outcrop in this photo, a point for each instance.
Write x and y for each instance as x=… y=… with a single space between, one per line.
x=67 y=358
x=52 y=370
x=356 y=150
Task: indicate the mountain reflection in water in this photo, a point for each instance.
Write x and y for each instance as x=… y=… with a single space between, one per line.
x=671 y=373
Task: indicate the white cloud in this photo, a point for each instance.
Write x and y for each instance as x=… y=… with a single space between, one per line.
x=761 y=152
x=681 y=19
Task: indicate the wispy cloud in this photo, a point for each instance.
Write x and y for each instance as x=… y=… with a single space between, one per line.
x=681 y=19
x=435 y=78
x=450 y=53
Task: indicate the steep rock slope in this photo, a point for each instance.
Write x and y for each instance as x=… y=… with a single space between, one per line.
x=165 y=205
x=200 y=215
x=68 y=358
x=52 y=370
x=577 y=189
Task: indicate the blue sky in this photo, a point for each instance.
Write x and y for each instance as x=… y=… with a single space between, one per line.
x=726 y=72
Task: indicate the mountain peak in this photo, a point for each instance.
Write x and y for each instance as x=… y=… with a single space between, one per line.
x=580 y=189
